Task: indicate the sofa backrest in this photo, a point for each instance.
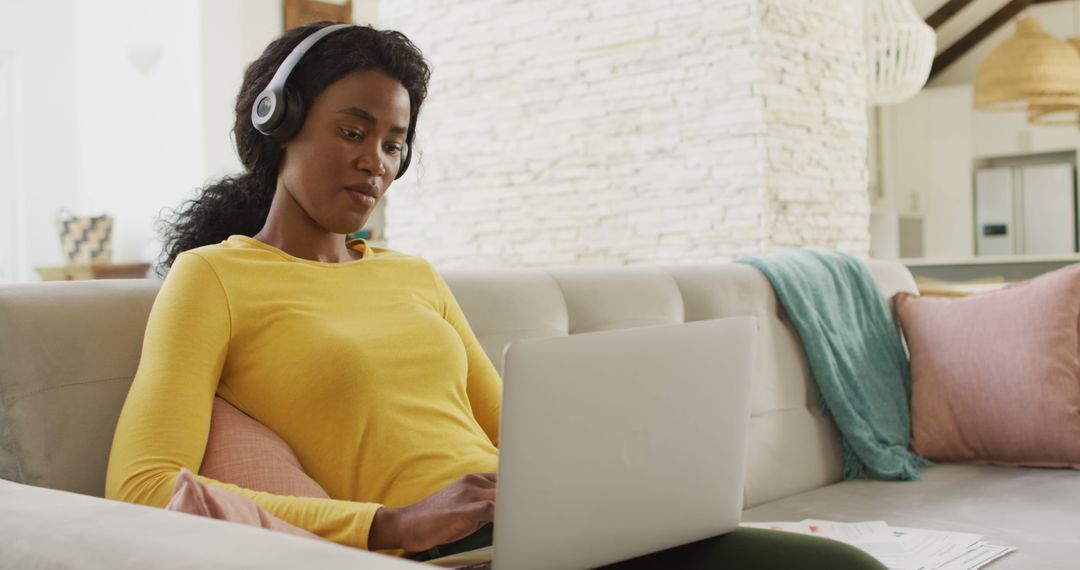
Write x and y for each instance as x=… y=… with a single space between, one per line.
x=68 y=352
x=793 y=448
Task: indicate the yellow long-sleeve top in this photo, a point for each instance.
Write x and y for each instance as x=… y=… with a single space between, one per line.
x=366 y=368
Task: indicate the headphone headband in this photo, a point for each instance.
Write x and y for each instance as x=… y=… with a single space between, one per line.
x=286 y=67
x=278 y=111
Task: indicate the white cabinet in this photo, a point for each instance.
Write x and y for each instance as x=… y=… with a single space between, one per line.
x=1000 y=134
x=1009 y=134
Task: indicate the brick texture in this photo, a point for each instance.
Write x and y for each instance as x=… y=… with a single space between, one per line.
x=561 y=132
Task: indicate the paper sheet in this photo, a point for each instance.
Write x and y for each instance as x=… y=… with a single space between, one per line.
x=901 y=548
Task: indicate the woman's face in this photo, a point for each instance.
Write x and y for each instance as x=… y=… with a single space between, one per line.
x=348 y=150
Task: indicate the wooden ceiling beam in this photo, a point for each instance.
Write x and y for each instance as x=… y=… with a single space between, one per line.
x=954 y=52
x=948 y=10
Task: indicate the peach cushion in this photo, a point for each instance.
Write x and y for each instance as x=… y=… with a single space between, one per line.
x=996 y=376
x=194 y=497
x=248 y=454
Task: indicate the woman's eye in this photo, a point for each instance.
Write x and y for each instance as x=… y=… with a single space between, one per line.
x=393 y=149
x=352 y=135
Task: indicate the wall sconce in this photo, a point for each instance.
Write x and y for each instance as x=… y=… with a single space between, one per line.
x=144 y=57
x=144 y=28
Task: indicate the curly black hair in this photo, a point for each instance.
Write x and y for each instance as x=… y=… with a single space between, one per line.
x=239 y=204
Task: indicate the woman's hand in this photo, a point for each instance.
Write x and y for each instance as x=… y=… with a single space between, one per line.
x=451 y=514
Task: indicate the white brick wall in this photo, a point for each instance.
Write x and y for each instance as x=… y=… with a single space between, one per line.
x=563 y=132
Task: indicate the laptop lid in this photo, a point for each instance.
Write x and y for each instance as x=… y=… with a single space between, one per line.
x=620 y=443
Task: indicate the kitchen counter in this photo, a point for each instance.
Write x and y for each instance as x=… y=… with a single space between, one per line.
x=1007 y=267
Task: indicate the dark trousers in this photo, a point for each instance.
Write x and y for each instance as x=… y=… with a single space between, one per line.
x=749 y=548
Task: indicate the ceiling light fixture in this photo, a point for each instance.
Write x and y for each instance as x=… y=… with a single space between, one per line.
x=1032 y=70
x=899 y=50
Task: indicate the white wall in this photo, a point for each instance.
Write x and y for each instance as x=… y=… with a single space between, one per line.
x=166 y=131
x=815 y=98
x=949 y=223
x=721 y=107
x=926 y=165
x=233 y=34
x=929 y=146
x=125 y=108
x=10 y=223
x=139 y=129
x=42 y=151
x=632 y=132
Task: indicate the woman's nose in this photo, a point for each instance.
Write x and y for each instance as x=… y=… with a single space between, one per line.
x=371 y=162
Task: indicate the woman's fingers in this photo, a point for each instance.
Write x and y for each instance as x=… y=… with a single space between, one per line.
x=479 y=494
x=451 y=514
x=480 y=479
x=482 y=512
x=462 y=522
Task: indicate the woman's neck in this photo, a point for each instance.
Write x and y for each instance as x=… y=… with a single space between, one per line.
x=289 y=228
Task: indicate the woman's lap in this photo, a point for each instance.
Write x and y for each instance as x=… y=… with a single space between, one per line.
x=743 y=548
x=757 y=549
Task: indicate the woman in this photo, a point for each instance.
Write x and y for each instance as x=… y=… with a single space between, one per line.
x=358 y=357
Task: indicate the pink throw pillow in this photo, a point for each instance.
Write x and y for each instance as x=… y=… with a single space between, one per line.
x=996 y=376
x=244 y=452
x=194 y=497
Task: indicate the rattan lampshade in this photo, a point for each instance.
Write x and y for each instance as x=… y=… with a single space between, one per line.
x=1030 y=68
x=899 y=50
x=1056 y=114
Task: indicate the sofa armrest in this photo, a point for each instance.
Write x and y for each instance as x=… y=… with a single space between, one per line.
x=45 y=528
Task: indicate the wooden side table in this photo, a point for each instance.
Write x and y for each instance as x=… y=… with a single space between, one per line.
x=80 y=271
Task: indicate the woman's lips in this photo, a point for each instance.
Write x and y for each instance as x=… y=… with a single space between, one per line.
x=360 y=198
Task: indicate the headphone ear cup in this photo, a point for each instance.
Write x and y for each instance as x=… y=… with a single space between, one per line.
x=294 y=115
x=406 y=158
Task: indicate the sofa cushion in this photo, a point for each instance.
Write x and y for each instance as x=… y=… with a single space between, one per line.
x=1028 y=508
x=608 y=298
x=244 y=452
x=507 y=305
x=793 y=446
x=996 y=376
x=193 y=497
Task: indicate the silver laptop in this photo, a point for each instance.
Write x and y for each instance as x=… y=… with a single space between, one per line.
x=620 y=443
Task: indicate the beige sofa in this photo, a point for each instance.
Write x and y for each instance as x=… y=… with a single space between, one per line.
x=68 y=352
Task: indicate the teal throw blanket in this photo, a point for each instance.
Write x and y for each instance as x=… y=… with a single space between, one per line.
x=855 y=355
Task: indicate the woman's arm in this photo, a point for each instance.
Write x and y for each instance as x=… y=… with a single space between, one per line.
x=165 y=421
x=166 y=417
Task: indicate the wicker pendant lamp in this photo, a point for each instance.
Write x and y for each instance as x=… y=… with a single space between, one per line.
x=1030 y=70
x=1052 y=115
x=1056 y=115
x=899 y=48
